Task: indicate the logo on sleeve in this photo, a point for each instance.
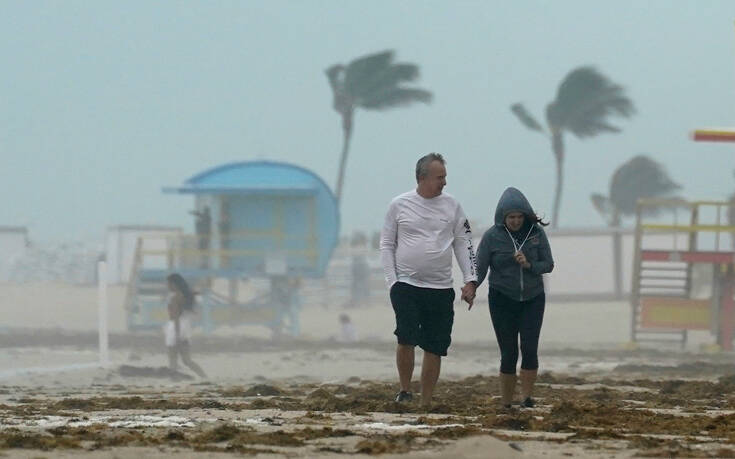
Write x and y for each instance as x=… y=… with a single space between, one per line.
x=467 y=226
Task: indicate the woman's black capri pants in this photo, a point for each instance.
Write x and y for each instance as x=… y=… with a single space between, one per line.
x=512 y=318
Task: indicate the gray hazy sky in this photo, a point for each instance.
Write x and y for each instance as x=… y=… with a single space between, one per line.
x=102 y=103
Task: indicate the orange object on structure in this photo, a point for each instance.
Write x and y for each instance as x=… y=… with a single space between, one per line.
x=714 y=135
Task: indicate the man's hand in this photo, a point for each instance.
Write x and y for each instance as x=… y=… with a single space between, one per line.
x=521 y=259
x=468 y=293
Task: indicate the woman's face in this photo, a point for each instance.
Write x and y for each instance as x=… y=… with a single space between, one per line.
x=514 y=221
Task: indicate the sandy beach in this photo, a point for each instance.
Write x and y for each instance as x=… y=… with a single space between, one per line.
x=314 y=396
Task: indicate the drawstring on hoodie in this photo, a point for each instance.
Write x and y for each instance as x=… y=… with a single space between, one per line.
x=518 y=249
x=515 y=244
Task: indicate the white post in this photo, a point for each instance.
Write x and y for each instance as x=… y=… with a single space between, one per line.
x=102 y=312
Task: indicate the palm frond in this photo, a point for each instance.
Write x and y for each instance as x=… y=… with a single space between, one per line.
x=341 y=100
x=390 y=77
x=525 y=117
x=584 y=101
x=641 y=177
x=362 y=70
x=335 y=75
x=396 y=97
x=374 y=82
x=601 y=204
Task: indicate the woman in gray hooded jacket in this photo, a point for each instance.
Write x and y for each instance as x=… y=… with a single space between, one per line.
x=517 y=253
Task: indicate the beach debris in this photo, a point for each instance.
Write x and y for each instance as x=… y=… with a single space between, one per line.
x=132 y=371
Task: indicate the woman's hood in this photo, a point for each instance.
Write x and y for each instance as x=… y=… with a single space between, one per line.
x=512 y=200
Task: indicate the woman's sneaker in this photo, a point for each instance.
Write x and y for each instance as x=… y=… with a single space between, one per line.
x=404 y=396
x=528 y=402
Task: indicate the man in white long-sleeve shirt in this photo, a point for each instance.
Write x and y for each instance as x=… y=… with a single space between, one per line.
x=422 y=228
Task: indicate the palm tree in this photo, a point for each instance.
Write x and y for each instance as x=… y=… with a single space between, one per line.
x=641 y=177
x=372 y=82
x=584 y=101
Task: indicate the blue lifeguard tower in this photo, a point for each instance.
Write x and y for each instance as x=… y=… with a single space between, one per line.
x=254 y=219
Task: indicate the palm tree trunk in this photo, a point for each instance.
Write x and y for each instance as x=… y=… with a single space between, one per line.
x=347 y=133
x=557 y=145
x=617 y=255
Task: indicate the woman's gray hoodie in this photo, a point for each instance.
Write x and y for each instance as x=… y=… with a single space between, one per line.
x=497 y=248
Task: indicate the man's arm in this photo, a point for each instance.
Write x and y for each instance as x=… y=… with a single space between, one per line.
x=388 y=242
x=462 y=245
x=465 y=254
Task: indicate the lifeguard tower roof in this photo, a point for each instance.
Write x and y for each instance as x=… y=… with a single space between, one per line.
x=257 y=177
x=262 y=210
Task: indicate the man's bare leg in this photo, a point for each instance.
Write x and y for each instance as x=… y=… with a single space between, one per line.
x=405 y=363
x=429 y=376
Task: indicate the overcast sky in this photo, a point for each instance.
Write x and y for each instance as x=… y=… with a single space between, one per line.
x=103 y=103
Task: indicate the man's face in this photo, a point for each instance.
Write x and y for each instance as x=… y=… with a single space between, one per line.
x=434 y=181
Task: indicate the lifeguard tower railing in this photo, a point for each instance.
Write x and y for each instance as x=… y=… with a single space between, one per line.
x=217 y=275
x=682 y=271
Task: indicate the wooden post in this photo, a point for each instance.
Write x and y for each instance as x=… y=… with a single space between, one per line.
x=102 y=313
x=727 y=310
x=635 y=284
x=618 y=263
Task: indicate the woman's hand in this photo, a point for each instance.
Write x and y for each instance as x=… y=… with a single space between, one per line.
x=521 y=259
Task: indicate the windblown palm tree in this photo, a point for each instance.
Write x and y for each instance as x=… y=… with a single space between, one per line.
x=372 y=82
x=641 y=177
x=584 y=101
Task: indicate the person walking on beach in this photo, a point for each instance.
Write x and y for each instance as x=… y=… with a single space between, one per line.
x=422 y=227
x=178 y=328
x=517 y=252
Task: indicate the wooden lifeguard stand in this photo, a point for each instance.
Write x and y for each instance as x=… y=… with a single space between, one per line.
x=664 y=301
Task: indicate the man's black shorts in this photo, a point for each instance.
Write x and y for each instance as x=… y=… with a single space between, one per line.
x=424 y=316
